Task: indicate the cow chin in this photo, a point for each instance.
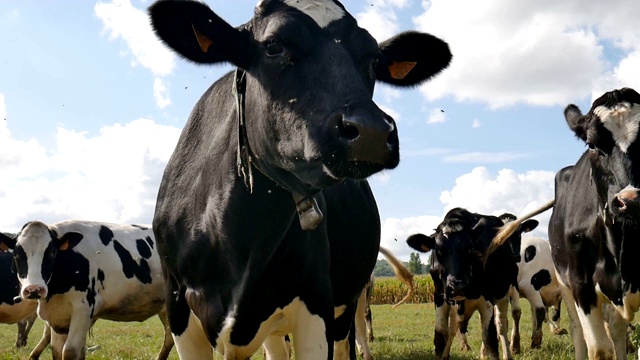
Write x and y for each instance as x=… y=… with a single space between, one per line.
x=357 y=170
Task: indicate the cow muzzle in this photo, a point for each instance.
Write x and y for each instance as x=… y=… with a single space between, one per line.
x=455 y=290
x=34 y=292
x=627 y=201
x=369 y=138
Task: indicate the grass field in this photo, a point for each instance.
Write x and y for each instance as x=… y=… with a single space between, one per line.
x=404 y=333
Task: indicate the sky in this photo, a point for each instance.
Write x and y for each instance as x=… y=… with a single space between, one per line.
x=92 y=104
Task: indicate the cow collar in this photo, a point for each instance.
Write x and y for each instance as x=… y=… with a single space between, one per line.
x=307 y=207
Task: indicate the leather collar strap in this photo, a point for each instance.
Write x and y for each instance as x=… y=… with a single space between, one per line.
x=309 y=212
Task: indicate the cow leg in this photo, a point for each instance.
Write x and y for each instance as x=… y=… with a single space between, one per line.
x=361 y=326
x=42 y=344
x=489 y=334
x=554 y=325
x=57 y=345
x=168 y=339
x=344 y=337
x=599 y=346
x=577 y=336
x=75 y=345
x=192 y=343
x=24 y=327
x=441 y=334
x=275 y=348
x=617 y=327
x=312 y=335
x=502 y=326
x=516 y=314
x=368 y=320
x=538 y=311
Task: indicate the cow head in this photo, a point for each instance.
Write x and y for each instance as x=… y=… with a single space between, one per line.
x=458 y=246
x=515 y=239
x=610 y=130
x=34 y=251
x=310 y=74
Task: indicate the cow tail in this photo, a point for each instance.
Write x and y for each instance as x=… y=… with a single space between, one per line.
x=401 y=272
x=508 y=229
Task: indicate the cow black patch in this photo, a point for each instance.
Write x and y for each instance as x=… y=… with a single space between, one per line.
x=150 y=241
x=70 y=270
x=540 y=279
x=106 y=235
x=101 y=277
x=143 y=248
x=130 y=267
x=529 y=253
x=91 y=295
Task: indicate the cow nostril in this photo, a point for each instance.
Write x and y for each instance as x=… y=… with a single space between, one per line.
x=347 y=130
x=618 y=204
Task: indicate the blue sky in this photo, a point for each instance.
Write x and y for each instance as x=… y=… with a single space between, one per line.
x=94 y=105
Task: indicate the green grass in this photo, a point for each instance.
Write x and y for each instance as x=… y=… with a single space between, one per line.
x=403 y=333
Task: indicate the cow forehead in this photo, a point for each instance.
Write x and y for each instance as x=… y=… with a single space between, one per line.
x=34 y=237
x=622 y=120
x=323 y=12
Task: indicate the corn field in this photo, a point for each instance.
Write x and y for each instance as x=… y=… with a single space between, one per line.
x=390 y=290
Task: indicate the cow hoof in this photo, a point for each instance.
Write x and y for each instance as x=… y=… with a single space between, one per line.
x=560 y=332
x=515 y=350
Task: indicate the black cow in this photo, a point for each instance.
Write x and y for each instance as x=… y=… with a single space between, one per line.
x=22 y=313
x=268 y=149
x=469 y=276
x=594 y=226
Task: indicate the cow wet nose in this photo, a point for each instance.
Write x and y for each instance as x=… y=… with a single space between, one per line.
x=455 y=288
x=34 y=292
x=627 y=200
x=369 y=140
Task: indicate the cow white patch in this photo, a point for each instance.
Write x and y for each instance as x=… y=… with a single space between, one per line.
x=193 y=343
x=623 y=120
x=450 y=229
x=322 y=11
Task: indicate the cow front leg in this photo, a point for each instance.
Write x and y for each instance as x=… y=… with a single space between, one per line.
x=57 y=345
x=42 y=344
x=502 y=326
x=617 y=329
x=489 y=333
x=441 y=330
x=75 y=346
x=312 y=337
x=192 y=343
x=361 y=325
x=276 y=348
x=599 y=346
x=577 y=336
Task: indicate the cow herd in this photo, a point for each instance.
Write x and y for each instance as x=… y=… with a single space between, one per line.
x=265 y=226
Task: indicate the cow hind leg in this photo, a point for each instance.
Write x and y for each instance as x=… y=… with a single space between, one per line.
x=167 y=344
x=275 y=348
x=57 y=345
x=501 y=316
x=577 y=336
x=516 y=314
x=311 y=335
x=361 y=326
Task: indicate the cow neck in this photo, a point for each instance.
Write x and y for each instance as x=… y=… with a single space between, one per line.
x=307 y=207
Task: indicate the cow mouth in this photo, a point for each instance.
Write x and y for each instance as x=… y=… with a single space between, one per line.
x=356 y=170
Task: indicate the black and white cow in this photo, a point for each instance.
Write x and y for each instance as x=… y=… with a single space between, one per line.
x=538 y=283
x=594 y=226
x=22 y=313
x=268 y=151
x=467 y=278
x=81 y=271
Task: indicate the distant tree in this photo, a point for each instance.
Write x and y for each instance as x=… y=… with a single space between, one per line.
x=415 y=265
x=383 y=268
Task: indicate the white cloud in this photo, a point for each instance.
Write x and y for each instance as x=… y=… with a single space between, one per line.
x=475 y=123
x=436 y=116
x=380 y=18
x=124 y=21
x=160 y=93
x=534 y=52
x=113 y=176
x=481 y=192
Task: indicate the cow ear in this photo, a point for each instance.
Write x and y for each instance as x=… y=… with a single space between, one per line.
x=192 y=30
x=411 y=57
x=576 y=122
x=69 y=240
x=6 y=242
x=478 y=229
x=421 y=242
x=528 y=225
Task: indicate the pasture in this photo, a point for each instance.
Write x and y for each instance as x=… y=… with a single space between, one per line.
x=403 y=333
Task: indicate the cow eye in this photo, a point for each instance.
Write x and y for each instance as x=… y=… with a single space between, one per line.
x=274 y=49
